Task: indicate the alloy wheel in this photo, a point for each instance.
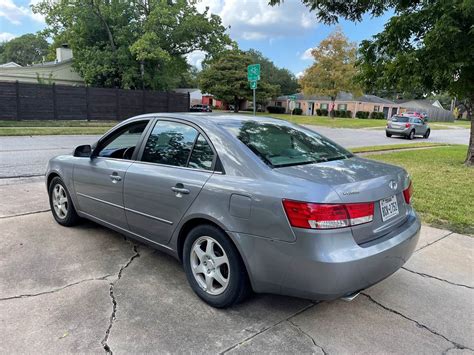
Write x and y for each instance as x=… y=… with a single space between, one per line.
x=60 y=201
x=210 y=265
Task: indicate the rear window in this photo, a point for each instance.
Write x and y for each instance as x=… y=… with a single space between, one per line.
x=400 y=119
x=280 y=145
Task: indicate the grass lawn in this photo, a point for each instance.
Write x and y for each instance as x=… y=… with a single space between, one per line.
x=444 y=187
x=381 y=148
x=30 y=128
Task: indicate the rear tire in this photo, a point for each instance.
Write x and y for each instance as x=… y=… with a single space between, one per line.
x=214 y=268
x=411 y=135
x=61 y=204
x=427 y=134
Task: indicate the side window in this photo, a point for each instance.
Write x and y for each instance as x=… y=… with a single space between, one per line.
x=202 y=155
x=170 y=143
x=122 y=144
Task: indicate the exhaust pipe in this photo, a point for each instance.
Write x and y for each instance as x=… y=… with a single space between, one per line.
x=350 y=297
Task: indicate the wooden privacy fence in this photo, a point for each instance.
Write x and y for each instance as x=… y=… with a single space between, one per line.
x=24 y=101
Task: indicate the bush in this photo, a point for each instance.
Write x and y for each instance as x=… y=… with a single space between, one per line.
x=337 y=113
x=297 y=111
x=362 y=114
x=377 y=115
x=324 y=112
x=348 y=114
x=318 y=112
x=276 y=109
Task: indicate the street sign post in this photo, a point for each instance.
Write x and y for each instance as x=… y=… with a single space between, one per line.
x=253 y=75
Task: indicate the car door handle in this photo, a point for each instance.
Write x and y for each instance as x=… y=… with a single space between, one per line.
x=180 y=189
x=115 y=178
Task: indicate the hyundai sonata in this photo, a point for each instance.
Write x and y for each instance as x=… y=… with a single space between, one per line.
x=245 y=203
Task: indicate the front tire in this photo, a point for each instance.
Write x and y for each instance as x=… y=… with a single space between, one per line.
x=427 y=134
x=214 y=268
x=61 y=204
x=388 y=134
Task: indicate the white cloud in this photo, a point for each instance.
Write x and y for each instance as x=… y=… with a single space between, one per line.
x=6 y=36
x=195 y=58
x=15 y=14
x=306 y=54
x=256 y=20
x=299 y=74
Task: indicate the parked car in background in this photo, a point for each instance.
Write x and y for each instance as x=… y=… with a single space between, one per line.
x=422 y=115
x=200 y=108
x=245 y=203
x=407 y=126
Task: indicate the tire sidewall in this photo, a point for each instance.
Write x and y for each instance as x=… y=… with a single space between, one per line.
x=411 y=135
x=427 y=134
x=237 y=271
x=71 y=216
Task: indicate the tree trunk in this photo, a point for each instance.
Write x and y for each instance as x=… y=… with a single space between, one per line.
x=236 y=104
x=470 y=150
x=333 y=104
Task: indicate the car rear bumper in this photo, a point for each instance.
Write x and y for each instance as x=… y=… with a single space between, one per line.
x=328 y=265
x=401 y=132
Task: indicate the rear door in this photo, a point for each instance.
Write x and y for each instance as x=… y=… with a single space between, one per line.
x=174 y=165
x=98 y=181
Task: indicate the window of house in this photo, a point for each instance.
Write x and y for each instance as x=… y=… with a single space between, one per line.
x=324 y=106
x=376 y=108
x=278 y=103
x=342 y=107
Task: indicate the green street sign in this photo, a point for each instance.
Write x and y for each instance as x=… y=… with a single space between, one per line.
x=253 y=84
x=292 y=97
x=253 y=72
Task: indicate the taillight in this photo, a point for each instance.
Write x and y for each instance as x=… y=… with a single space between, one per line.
x=407 y=125
x=408 y=193
x=327 y=216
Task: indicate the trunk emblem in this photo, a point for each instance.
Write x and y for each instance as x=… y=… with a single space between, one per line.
x=393 y=185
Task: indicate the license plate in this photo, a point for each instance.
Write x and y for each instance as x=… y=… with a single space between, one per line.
x=389 y=207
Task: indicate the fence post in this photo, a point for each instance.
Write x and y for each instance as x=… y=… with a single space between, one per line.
x=117 y=103
x=17 y=91
x=88 y=115
x=189 y=102
x=55 y=110
x=168 y=101
x=143 y=101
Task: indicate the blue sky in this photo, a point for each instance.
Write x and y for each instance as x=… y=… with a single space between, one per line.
x=282 y=33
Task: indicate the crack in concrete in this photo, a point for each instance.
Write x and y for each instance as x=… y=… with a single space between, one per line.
x=24 y=214
x=421 y=325
x=136 y=254
x=437 y=278
x=264 y=329
x=56 y=289
x=308 y=336
x=433 y=242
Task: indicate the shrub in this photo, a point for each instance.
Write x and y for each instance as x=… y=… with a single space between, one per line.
x=362 y=114
x=337 y=113
x=324 y=112
x=377 y=115
x=348 y=114
x=318 y=112
x=297 y=111
x=276 y=109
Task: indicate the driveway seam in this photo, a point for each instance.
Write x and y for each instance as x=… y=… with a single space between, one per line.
x=307 y=335
x=437 y=278
x=102 y=278
x=421 y=325
x=266 y=328
x=104 y=343
x=24 y=214
x=436 y=241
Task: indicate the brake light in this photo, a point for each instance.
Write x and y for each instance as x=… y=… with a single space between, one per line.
x=327 y=216
x=408 y=193
x=407 y=125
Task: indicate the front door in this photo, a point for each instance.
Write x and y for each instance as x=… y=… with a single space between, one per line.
x=98 y=181
x=176 y=162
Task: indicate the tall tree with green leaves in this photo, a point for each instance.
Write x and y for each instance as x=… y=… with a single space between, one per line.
x=333 y=69
x=426 y=46
x=282 y=77
x=134 y=44
x=225 y=77
x=24 y=50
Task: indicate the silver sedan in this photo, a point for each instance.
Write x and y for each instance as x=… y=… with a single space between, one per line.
x=408 y=127
x=244 y=203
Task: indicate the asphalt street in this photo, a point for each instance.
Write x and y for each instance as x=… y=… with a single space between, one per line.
x=88 y=290
x=28 y=156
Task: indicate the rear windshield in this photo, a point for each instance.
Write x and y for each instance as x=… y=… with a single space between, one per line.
x=282 y=145
x=400 y=119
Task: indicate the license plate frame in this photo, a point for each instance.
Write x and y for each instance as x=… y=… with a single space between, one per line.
x=389 y=208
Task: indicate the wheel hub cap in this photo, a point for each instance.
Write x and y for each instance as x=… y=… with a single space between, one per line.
x=60 y=201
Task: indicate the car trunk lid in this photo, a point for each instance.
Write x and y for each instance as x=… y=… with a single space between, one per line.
x=358 y=180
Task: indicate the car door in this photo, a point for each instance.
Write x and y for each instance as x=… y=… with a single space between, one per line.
x=98 y=181
x=175 y=163
x=418 y=126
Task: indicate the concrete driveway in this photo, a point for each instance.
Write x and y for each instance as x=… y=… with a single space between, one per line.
x=28 y=155
x=87 y=289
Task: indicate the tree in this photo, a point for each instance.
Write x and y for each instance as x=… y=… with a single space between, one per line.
x=134 y=44
x=282 y=77
x=225 y=77
x=24 y=50
x=333 y=70
x=426 y=46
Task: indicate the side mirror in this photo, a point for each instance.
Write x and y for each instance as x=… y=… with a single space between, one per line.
x=83 y=151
